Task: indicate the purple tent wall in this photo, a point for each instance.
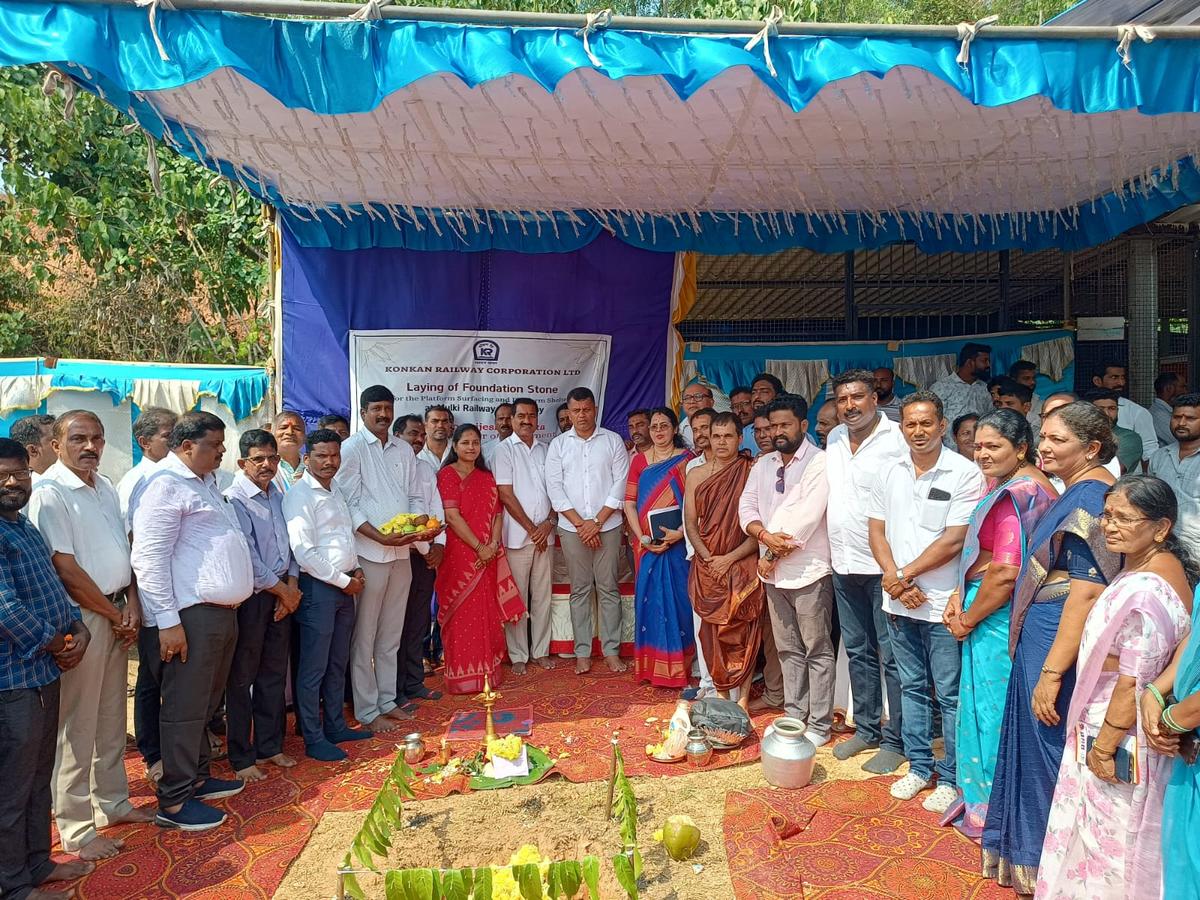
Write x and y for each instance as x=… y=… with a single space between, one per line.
x=606 y=287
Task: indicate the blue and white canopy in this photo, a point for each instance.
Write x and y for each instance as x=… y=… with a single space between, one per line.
x=454 y=135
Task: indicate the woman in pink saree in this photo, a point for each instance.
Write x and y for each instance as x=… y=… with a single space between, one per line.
x=476 y=591
x=1103 y=837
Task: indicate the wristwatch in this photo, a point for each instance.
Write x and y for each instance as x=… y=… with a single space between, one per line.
x=900 y=574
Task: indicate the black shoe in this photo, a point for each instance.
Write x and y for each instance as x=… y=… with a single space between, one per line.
x=424 y=693
x=219 y=788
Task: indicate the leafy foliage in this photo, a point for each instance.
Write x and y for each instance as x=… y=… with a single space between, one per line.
x=99 y=262
x=628 y=863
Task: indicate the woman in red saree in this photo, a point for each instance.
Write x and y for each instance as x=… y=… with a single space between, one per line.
x=476 y=591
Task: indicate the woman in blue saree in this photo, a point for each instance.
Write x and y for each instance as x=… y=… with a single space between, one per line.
x=1065 y=569
x=664 y=639
x=1171 y=711
x=978 y=613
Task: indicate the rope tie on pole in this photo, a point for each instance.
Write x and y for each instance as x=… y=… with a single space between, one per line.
x=153 y=7
x=769 y=30
x=370 y=11
x=593 y=23
x=1127 y=33
x=966 y=33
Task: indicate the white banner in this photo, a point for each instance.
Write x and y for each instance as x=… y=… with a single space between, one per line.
x=472 y=372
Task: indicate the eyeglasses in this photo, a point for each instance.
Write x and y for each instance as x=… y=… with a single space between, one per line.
x=694 y=397
x=262 y=460
x=779 y=480
x=1122 y=522
x=18 y=475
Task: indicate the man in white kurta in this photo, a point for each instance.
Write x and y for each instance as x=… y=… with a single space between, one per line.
x=77 y=511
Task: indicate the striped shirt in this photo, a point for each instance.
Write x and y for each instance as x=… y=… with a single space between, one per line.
x=34 y=607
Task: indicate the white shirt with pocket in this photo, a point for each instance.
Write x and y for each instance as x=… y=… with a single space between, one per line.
x=523 y=468
x=916 y=511
x=586 y=475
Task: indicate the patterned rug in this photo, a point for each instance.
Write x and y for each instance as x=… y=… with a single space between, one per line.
x=846 y=840
x=270 y=822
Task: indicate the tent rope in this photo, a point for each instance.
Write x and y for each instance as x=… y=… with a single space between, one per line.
x=769 y=30
x=153 y=6
x=966 y=32
x=1127 y=33
x=370 y=11
x=594 y=22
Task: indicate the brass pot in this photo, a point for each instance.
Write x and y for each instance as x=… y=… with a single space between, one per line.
x=414 y=748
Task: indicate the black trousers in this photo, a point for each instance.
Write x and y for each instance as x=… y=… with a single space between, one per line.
x=255 y=693
x=28 y=738
x=147 y=695
x=190 y=694
x=410 y=666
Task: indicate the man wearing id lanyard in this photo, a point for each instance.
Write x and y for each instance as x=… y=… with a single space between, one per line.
x=917 y=522
x=79 y=514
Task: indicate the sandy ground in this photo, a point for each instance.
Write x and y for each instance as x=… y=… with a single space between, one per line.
x=565 y=820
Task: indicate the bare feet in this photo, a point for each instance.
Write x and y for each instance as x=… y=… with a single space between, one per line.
x=135 y=815
x=614 y=664
x=546 y=662
x=251 y=773
x=583 y=666
x=69 y=871
x=279 y=759
x=518 y=668
x=100 y=847
x=398 y=715
x=383 y=723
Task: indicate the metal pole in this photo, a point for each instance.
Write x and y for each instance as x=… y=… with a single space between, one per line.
x=1143 y=320
x=1193 y=317
x=1005 y=313
x=315 y=9
x=851 y=311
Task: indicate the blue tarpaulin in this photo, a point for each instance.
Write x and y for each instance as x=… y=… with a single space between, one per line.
x=445 y=136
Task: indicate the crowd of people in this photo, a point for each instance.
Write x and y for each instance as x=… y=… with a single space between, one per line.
x=1000 y=570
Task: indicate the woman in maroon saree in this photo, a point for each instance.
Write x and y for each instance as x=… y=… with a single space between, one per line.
x=476 y=591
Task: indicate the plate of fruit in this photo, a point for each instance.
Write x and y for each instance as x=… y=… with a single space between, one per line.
x=412 y=523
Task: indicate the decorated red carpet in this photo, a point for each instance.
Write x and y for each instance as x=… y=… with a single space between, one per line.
x=846 y=840
x=270 y=822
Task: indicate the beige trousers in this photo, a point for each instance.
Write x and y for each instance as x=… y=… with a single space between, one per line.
x=90 y=787
x=531 y=572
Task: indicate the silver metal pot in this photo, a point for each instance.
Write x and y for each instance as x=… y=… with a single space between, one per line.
x=787 y=755
x=414 y=748
x=699 y=750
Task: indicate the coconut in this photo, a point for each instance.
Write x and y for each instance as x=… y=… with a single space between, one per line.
x=681 y=836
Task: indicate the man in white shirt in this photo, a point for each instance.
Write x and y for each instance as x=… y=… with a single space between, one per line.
x=378 y=479
x=418 y=612
x=789 y=525
x=77 y=511
x=193 y=571
x=289 y=429
x=502 y=419
x=865 y=444
x=255 y=695
x=919 y=512
x=322 y=537
x=529 y=520
x=965 y=389
x=696 y=396
x=1112 y=375
x=1178 y=464
x=439 y=425
x=1167 y=386
x=585 y=479
x=700 y=427
x=35 y=433
x=152 y=432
